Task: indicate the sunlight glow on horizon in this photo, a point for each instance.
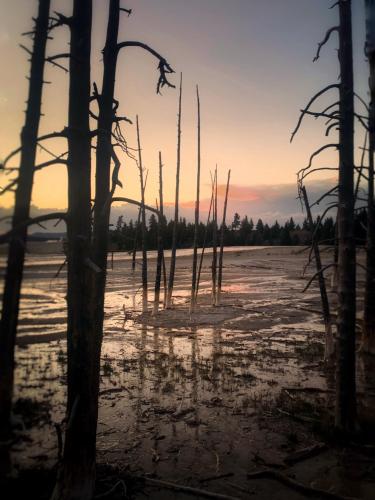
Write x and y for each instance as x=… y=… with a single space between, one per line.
x=254 y=68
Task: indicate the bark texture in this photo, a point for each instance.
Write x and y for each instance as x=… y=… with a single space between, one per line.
x=368 y=344
x=346 y=413
x=76 y=476
x=17 y=244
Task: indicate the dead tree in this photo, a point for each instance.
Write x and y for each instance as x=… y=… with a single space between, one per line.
x=176 y=207
x=214 y=242
x=346 y=413
x=368 y=342
x=134 y=254
x=17 y=243
x=160 y=257
x=342 y=119
x=204 y=242
x=196 y=222
x=138 y=225
x=222 y=235
x=329 y=344
x=76 y=476
x=143 y=225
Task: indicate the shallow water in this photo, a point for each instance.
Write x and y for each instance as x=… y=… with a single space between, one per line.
x=187 y=397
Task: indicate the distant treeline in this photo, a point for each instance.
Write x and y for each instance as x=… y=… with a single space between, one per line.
x=241 y=232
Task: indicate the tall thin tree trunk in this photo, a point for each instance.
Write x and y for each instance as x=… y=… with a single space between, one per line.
x=134 y=254
x=345 y=417
x=17 y=244
x=204 y=245
x=159 y=262
x=214 y=243
x=368 y=343
x=222 y=234
x=76 y=477
x=175 y=222
x=135 y=246
x=196 y=222
x=335 y=255
x=329 y=344
x=143 y=226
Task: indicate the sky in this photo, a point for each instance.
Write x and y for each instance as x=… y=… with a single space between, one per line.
x=252 y=60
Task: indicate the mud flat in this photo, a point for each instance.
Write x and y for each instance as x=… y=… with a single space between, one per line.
x=203 y=399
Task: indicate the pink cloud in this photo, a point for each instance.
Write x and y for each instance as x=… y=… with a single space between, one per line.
x=243 y=193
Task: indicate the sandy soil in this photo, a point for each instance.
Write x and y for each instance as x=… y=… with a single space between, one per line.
x=200 y=399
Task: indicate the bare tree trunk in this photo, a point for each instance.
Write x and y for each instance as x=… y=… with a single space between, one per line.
x=196 y=224
x=204 y=245
x=329 y=344
x=214 y=243
x=368 y=343
x=222 y=234
x=17 y=244
x=134 y=255
x=76 y=476
x=143 y=227
x=346 y=412
x=335 y=256
x=160 y=257
x=175 y=222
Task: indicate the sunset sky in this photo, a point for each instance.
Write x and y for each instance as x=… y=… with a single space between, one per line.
x=253 y=62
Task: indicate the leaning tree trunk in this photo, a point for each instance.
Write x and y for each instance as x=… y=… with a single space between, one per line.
x=204 y=245
x=221 y=253
x=76 y=476
x=160 y=257
x=329 y=343
x=17 y=244
x=104 y=153
x=368 y=343
x=196 y=222
x=175 y=222
x=143 y=226
x=345 y=417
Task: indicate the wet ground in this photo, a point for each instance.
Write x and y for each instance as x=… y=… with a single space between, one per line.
x=199 y=399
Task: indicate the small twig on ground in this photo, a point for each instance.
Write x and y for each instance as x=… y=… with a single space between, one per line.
x=291 y=483
x=185 y=489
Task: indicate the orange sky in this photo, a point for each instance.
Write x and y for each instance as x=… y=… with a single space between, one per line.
x=252 y=60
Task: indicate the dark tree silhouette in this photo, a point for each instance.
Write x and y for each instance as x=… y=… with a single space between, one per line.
x=176 y=207
x=368 y=344
x=17 y=243
x=196 y=218
x=76 y=476
x=346 y=414
x=222 y=235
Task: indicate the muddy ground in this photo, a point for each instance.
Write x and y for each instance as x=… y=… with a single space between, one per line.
x=201 y=399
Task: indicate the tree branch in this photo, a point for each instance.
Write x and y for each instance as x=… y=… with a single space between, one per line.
x=324 y=41
x=135 y=202
x=307 y=107
x=163 y=67
x=53 y=135
x=29 y=222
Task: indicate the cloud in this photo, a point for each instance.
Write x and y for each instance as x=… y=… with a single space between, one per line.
x=242 y=193
x=266 y=202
